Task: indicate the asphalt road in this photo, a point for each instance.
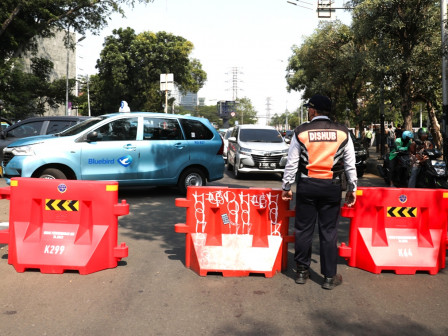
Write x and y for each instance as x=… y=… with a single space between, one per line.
x=152 y=293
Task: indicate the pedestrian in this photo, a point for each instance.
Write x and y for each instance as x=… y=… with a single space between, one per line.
x=321 y=151
x=418 y=155
x=367 y=138
x=398 y=131
x=377 y=138
x=390 y=138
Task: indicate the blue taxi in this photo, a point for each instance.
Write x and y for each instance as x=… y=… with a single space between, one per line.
x=137 y=148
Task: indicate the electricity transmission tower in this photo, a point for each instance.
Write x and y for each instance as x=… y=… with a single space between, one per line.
x=235 y=72
x=268 y=110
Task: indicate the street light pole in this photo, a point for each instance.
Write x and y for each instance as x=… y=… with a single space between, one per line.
x=68 y=45
x=1 y=108
x=66 y=82
x=88 y=95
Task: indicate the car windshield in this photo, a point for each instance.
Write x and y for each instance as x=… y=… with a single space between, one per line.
x=260 y=135
x=81 y=126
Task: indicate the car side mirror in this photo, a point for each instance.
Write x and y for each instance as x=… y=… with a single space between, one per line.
x=92 y=136
x=232 y=139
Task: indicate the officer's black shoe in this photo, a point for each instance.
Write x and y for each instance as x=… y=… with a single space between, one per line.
x=303 y=273
x=330 y=283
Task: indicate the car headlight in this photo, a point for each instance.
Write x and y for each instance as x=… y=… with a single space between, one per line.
x=285 y=151
x=23 y=150
x=245 y=151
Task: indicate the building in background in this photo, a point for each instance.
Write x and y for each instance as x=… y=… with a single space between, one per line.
x=189 y=101
x=54 y=50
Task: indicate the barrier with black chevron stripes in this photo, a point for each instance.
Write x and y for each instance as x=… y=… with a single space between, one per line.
x=61 y=205
x=235 y=231
x=402 y=230
x=58 y=225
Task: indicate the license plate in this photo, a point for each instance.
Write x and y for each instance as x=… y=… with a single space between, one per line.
x=266 y=165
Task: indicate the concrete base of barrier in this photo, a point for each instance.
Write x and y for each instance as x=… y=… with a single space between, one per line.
x=235 y=257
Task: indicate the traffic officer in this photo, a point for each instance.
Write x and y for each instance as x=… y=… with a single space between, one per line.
x=320 y=152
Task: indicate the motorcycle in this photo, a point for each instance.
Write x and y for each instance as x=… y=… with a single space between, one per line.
x=433 y=172
x=400 y=176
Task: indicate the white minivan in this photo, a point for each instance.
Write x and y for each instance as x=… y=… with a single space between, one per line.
x=256 y=149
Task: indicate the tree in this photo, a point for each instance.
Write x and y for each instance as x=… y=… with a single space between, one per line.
x=331 y=63
x=209 y=112
x=22 y=20
x=285 y=121
x=245 y=112
x=400 y=37
x=130 y=66
x=28 y=94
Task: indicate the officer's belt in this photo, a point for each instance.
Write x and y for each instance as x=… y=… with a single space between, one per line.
x=335 y=180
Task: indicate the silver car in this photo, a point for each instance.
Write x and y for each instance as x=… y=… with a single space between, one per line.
x=256 y=149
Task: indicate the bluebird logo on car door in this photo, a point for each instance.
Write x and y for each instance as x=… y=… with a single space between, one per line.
x=125 y=161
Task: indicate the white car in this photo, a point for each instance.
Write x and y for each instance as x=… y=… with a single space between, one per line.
x=256 y=149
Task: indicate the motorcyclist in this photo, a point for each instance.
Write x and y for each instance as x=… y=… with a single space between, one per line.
x=402 y=144
x=418 y=157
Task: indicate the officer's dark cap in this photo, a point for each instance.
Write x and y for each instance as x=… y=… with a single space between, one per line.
x=319 y=102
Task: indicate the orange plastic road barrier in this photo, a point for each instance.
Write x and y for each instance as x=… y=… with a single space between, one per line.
x=403 y=230
x=235 y=231
x=58 y=225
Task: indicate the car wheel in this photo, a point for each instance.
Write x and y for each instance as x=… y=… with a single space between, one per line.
x=236 y=172
x=191 y=177
x=52 y=173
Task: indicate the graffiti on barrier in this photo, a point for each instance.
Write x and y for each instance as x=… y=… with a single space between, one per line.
x=236 y=209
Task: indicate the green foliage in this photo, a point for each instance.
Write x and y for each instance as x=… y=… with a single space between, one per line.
x=130 y=66
x=21 y=21
x=286 y=120
x=28 y=94
x=245 y=112
x=403 y=38
x=330 y=62
x=209 y=112
x=391 y=44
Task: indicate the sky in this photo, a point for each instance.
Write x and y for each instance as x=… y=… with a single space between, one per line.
x=253 y=39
